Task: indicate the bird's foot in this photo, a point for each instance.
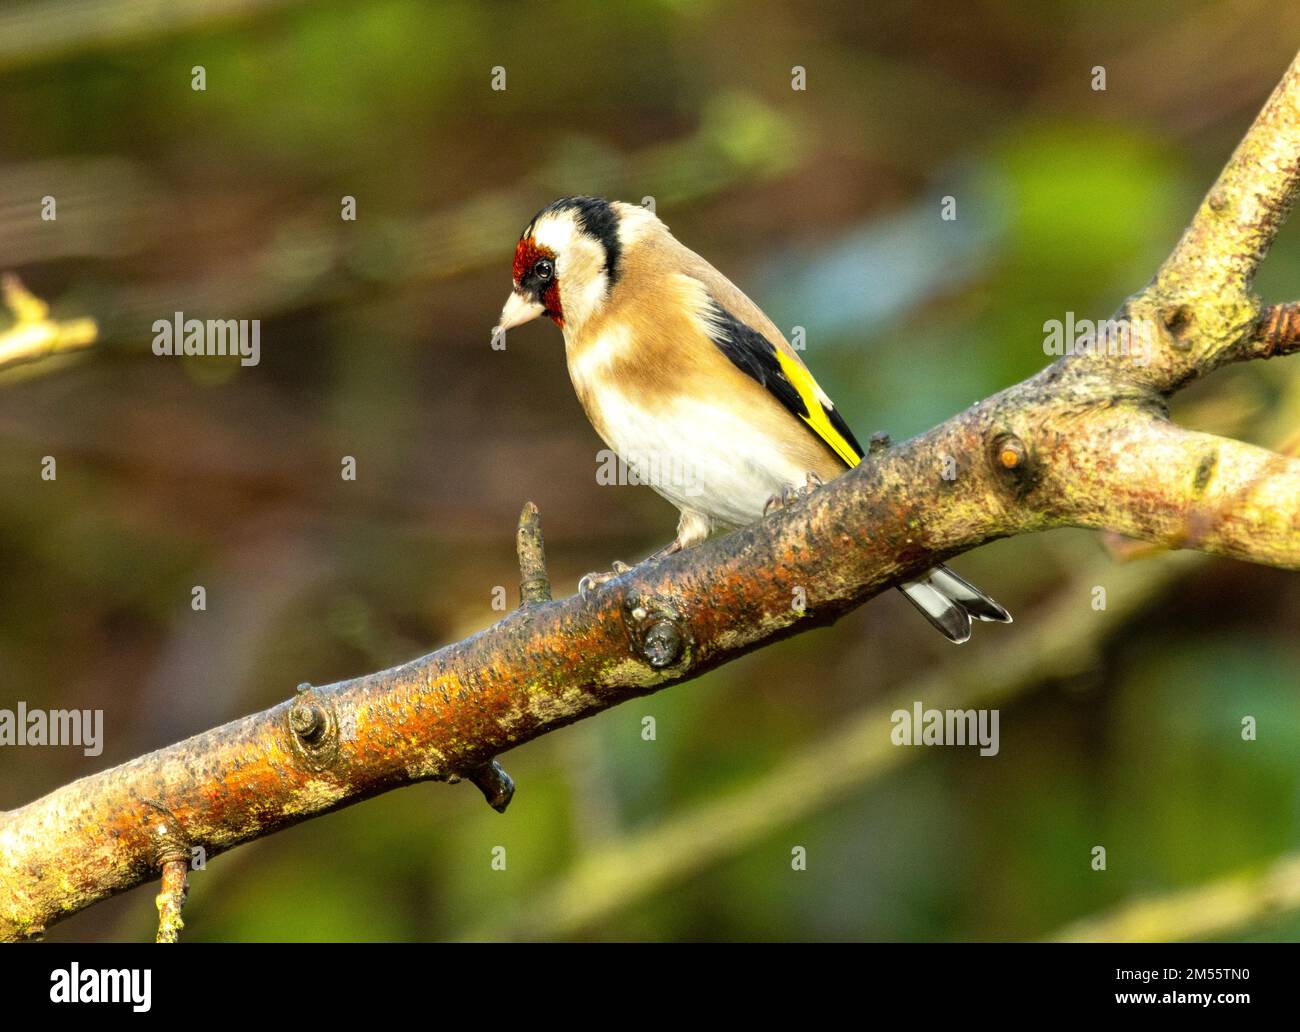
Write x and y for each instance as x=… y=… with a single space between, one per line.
x=592 y=581
x=791 y=494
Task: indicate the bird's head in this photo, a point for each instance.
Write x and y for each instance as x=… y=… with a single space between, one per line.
x=567 y=261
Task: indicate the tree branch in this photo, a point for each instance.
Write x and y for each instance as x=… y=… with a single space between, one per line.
x=1210 y=911
x=171 y=899
x=1202 y=292
x=34 y=335
x=613 y=876
x=1149 y=479
x=623 y=872
x=1084 y=443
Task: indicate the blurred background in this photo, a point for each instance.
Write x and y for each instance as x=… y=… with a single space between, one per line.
x=1119 y=728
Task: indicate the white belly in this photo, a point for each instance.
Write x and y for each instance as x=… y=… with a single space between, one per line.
x=701 y=458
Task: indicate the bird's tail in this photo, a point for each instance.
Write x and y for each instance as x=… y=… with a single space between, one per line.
x=950 y=603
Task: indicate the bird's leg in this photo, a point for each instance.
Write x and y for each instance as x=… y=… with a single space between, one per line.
x=791 y=494
x=672 y=548
x=692 y=528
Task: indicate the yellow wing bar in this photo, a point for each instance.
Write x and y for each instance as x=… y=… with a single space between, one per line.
x=816 y=418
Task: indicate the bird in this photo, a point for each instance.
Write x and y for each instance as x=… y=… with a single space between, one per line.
x=690 y=384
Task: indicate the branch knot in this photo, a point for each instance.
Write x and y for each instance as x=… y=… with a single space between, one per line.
x=1013 y=463
x=658 y=632
x=313 y=728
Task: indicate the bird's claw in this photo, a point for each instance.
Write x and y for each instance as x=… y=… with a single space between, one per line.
x=791 y=494
x=594 y=580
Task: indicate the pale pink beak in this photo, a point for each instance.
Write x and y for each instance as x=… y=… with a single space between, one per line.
x=518 y=310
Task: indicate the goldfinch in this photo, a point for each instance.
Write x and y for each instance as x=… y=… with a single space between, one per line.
x=690 y=384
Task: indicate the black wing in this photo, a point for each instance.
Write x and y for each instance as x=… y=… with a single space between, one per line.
x=758 y=357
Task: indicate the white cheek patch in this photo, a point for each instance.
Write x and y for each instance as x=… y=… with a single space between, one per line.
x=579 y=266
x=581 y=302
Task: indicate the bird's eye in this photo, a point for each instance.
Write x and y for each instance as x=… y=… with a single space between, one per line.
x=544 y=270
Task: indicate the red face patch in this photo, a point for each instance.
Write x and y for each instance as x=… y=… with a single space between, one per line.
x=527 y=254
